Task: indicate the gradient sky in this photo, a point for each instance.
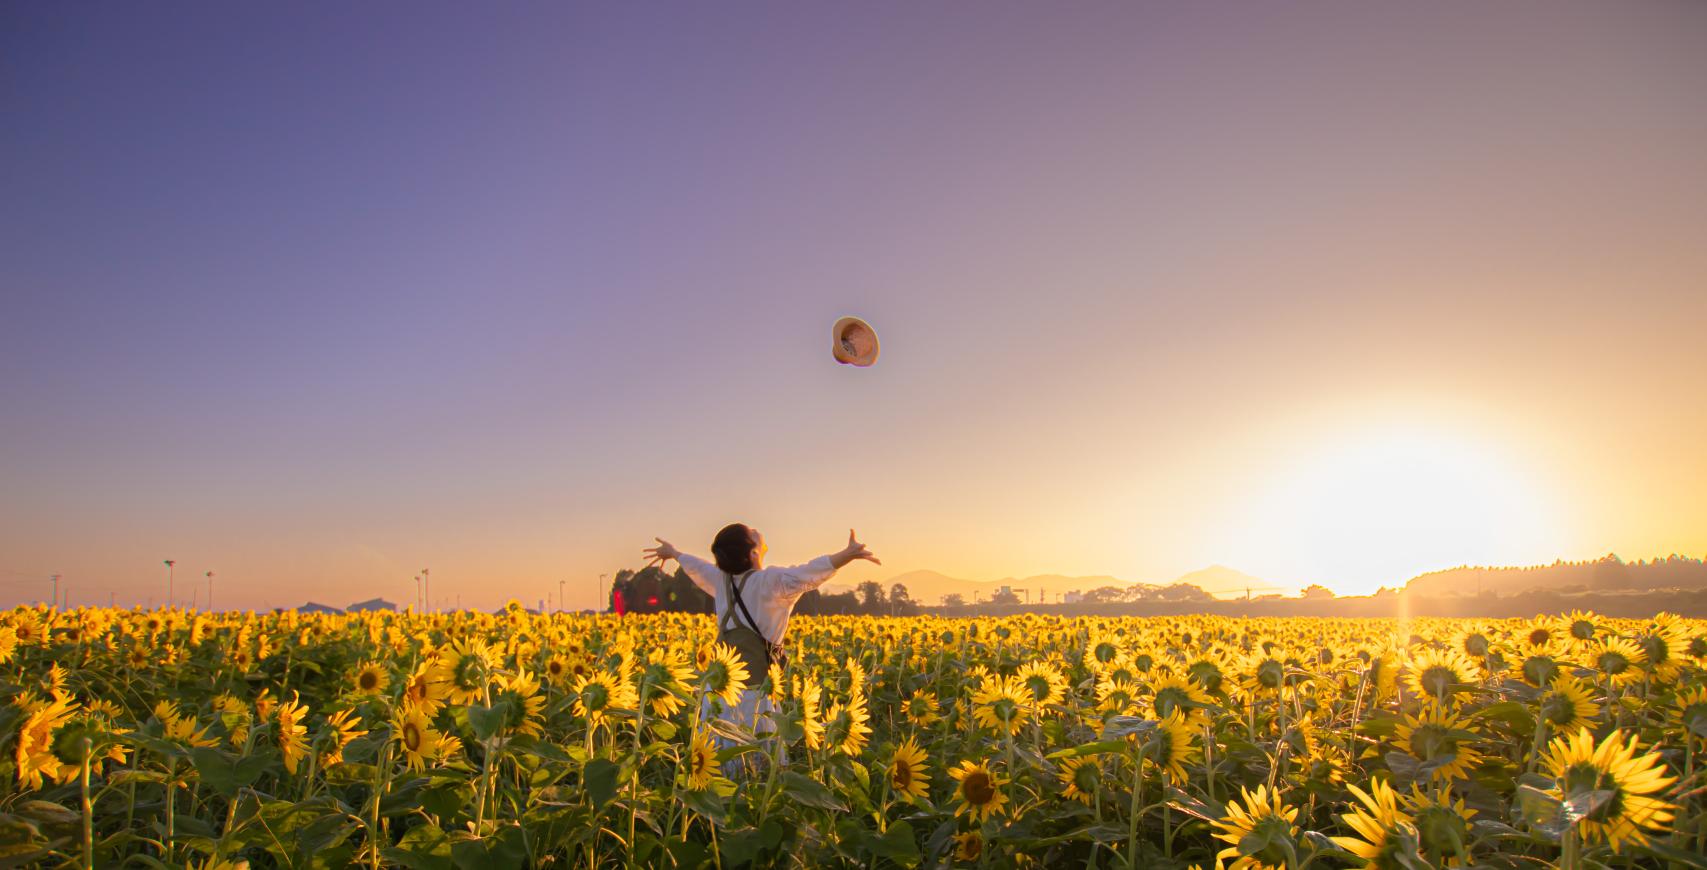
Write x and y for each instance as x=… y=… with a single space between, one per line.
x=313 y=296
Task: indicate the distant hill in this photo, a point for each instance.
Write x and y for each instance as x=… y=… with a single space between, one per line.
x=1224 y=582
x=1606 y=574
x=928 y=587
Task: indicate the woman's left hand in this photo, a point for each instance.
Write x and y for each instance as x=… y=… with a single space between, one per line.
x=854 y=550
x=664 y=552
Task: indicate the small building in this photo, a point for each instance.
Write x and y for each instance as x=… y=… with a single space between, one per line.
x=315 y=607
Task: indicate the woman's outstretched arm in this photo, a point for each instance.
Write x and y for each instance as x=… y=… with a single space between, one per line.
x=703 y=574
x=799 y=580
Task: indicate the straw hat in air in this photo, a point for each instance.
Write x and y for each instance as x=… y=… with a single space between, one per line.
x=854 y=342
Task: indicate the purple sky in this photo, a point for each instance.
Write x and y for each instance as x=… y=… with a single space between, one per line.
x=316 y=295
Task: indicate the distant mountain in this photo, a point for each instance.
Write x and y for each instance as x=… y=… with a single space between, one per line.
x=928 y=587
x=1224 y=582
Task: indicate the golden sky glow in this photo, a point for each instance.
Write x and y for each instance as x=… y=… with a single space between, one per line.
x=1339 y=296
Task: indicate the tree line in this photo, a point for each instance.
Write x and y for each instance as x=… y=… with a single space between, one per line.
x=650 y=590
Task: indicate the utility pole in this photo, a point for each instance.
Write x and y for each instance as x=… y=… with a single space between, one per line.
x=169 y=564
x=560 y=596
x=427 y=579
x=210 y=591
x=56 y=590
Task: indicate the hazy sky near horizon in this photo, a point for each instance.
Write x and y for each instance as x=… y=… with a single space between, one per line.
x=316 y=296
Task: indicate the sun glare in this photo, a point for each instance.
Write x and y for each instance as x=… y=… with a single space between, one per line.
x=1383 y=507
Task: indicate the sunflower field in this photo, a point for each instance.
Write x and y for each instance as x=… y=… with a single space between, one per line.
x=174 y=738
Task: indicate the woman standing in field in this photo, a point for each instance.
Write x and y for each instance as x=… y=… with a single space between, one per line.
x=751 y=603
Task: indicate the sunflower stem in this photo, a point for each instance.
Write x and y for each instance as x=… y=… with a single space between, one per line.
x=88 y=807
x=1570 y=857
x=1135 y=810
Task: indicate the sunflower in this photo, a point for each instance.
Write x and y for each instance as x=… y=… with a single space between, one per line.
x=1080 y=777
x=370 y=679
x=423 y=690
x=415 y=735
x=811 y=695
x=1173 y=693
x=1121 y=670
x=1537 y=664
x=1580 y=769
x=1375 y=822
x=723 y=674
x=856 y=675
x=980 y=790
x=1442 y=824
x=340 y=730
x=1665 y=648
x=1206 y=672
x=907 y=770
x=264 y=704
x=1147 y=660
x=921 y=709
x=1170 y=747
x=1473 y=642
x=1438 y=673
x=463 y=669
x=1579 y=626
x=1000 y=705
x=1538 y=633
x=1102 y=649
x=1261 y=822
x=105 y=709
x=1323 y=758
x=1263 y=673
x=521 y=692
x=598 y=693
x=34 y=755
x=1116 y=697
x=1618 y=659
x=1382 y=675
x=1440 y=741
x=175 y=726
x=53 y=682
x=292 y=734
x=1567 y=705
x=844 y=726
x=1041 y=684
x=559 y=669
x=664 y=679
x=968 y=846
x=69 y=746
x=701 y=761
x=234 y=715
x=1691 y=712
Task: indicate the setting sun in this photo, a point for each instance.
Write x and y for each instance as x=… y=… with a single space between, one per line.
x=1378 y=506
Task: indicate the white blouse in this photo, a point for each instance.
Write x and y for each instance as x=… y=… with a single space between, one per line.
x=769 y=592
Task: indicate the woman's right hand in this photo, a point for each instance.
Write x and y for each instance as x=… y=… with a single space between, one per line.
x=664 y=552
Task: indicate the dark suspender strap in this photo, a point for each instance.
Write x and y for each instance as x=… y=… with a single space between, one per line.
x=736 y=592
